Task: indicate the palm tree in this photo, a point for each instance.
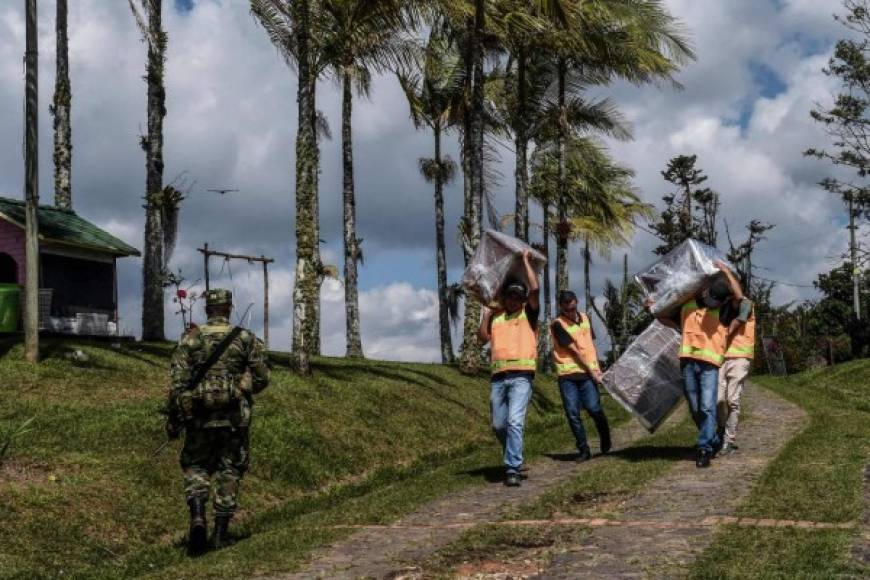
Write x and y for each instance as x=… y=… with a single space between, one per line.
x=431 y=95
x=634 y=40
x=601 y=206
x=62 y=114
x=289 y=26
x=149 y=20
x=31 y=184
x=357 y=38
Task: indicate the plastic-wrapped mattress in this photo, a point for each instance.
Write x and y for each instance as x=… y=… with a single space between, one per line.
x=498 y=258
x=678 y=276
x=646 y=379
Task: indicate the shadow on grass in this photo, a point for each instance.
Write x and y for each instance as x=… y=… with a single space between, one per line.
x=562 y=456
x=8 y=342
x=653 y=452
x=490 y=474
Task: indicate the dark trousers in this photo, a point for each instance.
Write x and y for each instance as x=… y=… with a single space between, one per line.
x=580 y=392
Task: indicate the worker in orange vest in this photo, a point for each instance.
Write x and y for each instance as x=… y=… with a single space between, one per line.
x=739 y=316
x=577 y=366
x=702 y=352
x=513 y=331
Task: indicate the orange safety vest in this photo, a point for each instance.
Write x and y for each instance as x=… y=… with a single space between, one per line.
x=514 y=343
x=703 y=336
x=582 y=334
x=743 y=343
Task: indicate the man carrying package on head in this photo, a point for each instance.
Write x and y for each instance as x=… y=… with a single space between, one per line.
x=577 y=367
x=702 y=352
x=513 y=330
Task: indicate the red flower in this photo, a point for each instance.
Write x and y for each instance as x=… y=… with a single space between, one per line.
x=182 y=293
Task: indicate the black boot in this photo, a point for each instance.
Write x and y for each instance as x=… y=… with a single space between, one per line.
x=603 y=428
x=703 y=458
x=197 y=539
x=584 y=454
x=221 y=538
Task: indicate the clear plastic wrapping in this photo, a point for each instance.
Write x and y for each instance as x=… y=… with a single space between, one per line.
x=498 y=258
x=678 y=276
x=646 y=379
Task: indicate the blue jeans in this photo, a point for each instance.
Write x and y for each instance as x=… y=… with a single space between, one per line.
x=700 y=385
x=508 y=402
x=580 y=393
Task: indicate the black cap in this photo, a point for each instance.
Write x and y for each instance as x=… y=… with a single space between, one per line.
x=566 y=296
x=515 y=288
x=720 y=290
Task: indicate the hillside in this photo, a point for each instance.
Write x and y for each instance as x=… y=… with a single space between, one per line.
x=83 y=493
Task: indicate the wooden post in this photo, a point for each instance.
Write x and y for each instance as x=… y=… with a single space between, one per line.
x=31 y=187
x=205 y=264
x=265 y=301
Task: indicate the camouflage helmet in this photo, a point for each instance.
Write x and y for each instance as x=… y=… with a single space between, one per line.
x=218 y=297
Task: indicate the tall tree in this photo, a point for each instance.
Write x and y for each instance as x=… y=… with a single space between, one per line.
x=289 y=27
x=741 y=254
x=431 y=93
x=848 y=125
x=149 y=20
x=690 y=211
x=358 y=38
x=61 y=110
x=31 y=185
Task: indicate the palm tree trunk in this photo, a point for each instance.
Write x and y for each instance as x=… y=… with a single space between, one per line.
x=31 y=186
x=562 y=202
x=470 y=357
x=314 y=326
x=587 y=283
x=305 y=286
x=351 y=245
x=61 y=110
x=521 y=212
x=544 y=347
x=441 y=256
x=153 y=266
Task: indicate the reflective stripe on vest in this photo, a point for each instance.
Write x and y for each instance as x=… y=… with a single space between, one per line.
x=580 y=332
x=743 y=343
x=703 y=336
x=514 y=343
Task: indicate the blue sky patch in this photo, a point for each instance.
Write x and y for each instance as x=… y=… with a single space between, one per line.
x=184 y=5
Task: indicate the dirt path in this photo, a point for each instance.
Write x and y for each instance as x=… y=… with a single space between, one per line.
x=685 y=495
x=658 y=533
x=378 y=551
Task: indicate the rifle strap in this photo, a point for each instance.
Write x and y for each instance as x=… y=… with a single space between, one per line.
x=214 y=357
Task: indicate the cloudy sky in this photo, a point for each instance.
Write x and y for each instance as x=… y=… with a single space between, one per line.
x=231 y=122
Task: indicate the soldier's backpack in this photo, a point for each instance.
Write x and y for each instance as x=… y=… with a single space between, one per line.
x=220 y=392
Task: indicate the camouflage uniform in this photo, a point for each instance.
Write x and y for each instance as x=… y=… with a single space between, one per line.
x=216 y=414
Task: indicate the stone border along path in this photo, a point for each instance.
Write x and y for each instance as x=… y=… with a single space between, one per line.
x=861 y=546
x=656 y=529
x=379 y=552
x=685 y=494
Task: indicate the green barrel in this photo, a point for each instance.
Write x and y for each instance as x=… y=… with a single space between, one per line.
x=9 y=307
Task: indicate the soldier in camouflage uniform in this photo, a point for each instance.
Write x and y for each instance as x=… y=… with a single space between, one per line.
x=215 y=414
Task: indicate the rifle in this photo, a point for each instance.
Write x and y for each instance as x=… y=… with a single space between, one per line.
x=169 y=413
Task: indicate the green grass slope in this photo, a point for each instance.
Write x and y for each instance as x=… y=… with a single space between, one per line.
x=82 y=494
x=817 y=477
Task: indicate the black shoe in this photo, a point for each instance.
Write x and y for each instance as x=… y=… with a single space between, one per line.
x=584 y=455
x=221 y=538
x=197 y=537
x=703 y=458
x=512 y=479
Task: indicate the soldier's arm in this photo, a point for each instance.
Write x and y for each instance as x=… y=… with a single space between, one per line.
x=179 y=378
x=259 y=369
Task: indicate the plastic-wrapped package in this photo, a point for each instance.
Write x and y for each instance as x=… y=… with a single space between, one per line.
x=678 y=276
x=646 y=379
x=498 y=258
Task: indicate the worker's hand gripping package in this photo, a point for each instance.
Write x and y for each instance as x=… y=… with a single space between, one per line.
x=498 y=259
x=646 y=379
x=678 y=276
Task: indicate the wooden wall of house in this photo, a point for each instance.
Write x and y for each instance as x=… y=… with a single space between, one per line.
x=12 y=244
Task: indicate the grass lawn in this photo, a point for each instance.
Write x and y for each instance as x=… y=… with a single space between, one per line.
x=817 y=477
x=82 y=494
